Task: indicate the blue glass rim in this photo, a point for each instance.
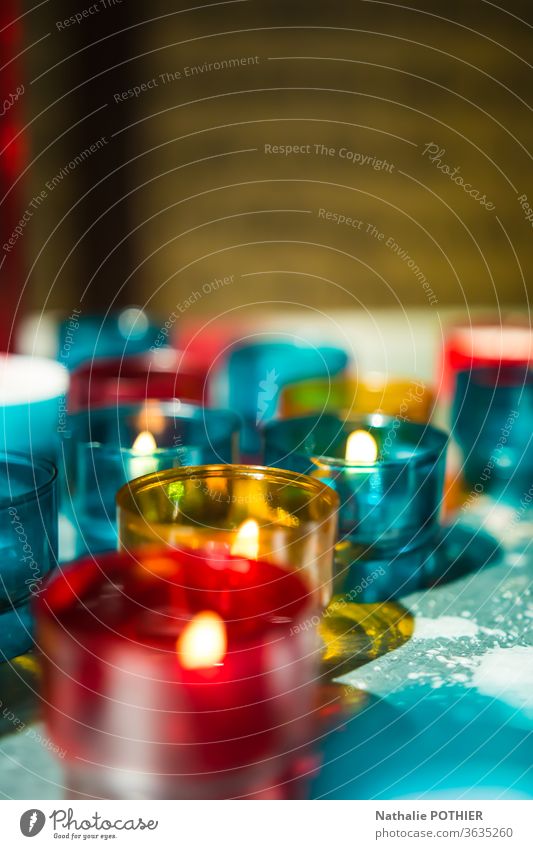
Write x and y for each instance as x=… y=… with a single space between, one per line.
x=22 y=459
x=230 y=424
x=427 y=441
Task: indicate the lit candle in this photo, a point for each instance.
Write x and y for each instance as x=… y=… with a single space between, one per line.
x=246 y=543
x=203 y=642
x=180 y=674
x=361 y=448
x=144 y=446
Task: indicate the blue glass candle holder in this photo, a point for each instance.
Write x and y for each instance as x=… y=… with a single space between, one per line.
x=117 y=334
x=389 y=476
x=28 y=543
x=492 y=422
x=257 y=372
x=32 y=404
x=110 y=446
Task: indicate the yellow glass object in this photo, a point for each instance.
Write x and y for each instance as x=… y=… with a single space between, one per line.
x=375 y=393
x=354 y=634
x=204 y=506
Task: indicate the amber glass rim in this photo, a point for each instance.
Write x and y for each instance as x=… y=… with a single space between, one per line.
x=126 y=495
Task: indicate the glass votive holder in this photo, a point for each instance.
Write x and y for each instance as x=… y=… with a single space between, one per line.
x=32 y=404
x=86 y=337
x=492 y=422
x=489 y=343
x=178 y=675
x=271 y=514
x=163 y=374
x=389 y=476
x=109 y=446
x=28 y=543
x=258 y=371
x=373 y=393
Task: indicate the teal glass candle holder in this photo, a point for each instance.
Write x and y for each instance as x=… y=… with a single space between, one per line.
x=108 y=447
x=28 y=543
x=389 y=476
x=32 y=404
x=257 y=372
x=492 y=421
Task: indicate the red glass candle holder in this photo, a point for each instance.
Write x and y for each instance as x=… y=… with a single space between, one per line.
x=177 y=674
x=163 y=374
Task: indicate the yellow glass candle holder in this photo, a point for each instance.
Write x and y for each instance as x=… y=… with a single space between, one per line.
x=412 y=400
x=256 y=512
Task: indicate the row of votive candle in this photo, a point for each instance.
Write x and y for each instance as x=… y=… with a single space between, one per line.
x=128 y=441
x=193 y=641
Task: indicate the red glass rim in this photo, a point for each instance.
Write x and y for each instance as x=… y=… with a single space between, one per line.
x=162 y=375
x=147 y=597
x=486 y=344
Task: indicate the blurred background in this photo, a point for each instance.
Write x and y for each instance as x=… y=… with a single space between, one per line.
x=152 y=150
x=349 y=174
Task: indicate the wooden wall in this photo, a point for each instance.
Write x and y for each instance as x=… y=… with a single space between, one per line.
x=188 y=191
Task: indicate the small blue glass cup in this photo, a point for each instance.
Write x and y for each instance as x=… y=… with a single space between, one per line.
x=389 y=475
x=109 y=446
x=33 y=405
x=492 y=422
x=28 y=543
x=121 y=333
x=258 y=371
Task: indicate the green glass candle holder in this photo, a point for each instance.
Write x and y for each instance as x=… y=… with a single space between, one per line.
x=372 y=393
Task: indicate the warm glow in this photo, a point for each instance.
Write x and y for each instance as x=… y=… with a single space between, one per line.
x=361 y=447
x=247 y=540
x=152 y=418
x=145 y=443
x=203 y=643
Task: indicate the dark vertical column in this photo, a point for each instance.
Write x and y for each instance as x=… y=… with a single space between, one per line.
x=99 y=48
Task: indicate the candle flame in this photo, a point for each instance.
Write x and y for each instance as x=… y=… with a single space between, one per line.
x=246 y=542
x=203 y=642
x=144 y=443
x=361 y=447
